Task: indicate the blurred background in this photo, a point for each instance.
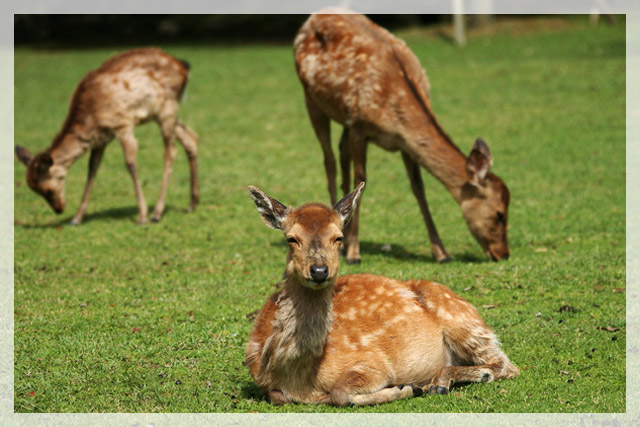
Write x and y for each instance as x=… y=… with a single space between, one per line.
x=78 y=30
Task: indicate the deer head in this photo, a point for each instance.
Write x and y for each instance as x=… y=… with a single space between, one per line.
x=485 y=203
x=44 y=177
x=314 y=234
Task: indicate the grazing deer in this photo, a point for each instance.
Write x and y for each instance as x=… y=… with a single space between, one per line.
x=359 y=339
x=361 y=76
x=128 y=89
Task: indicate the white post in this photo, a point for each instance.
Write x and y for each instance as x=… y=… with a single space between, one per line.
x=458 y=22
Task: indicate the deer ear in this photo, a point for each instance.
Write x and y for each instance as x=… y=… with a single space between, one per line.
x=479 y=162
x=347 y=205
x=272 y=211
x=23 y=155
x=45 y=161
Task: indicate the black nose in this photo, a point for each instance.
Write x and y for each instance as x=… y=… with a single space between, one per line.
x=319 y=273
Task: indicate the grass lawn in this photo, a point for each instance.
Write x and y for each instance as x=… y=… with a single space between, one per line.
x=115 y=317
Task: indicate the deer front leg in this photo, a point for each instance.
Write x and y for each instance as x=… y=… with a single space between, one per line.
x=413 y=170
x=362 y=386
x=130 y=147
x=322 y=127
x=189 y=140
x=94 y=164
x=168 y=126
x=450 y=375
x=358 y=152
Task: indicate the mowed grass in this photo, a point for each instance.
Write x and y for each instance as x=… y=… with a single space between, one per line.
x=111 y=316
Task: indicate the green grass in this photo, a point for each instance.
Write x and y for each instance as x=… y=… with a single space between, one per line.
x=115 y=317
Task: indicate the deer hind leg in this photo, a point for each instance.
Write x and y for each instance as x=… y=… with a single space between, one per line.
x=358 y=152
x=345 y=166
x=362 y=386
x=94 y=164
x=322 y=127
x=473 y=347
x=168 y=126
x=189 y=140
x=413 y=170
x=130 y=147
x=345 y=161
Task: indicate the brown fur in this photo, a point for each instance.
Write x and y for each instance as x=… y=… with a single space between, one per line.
x=360 y=339
x=361 y=76
x=128 y=89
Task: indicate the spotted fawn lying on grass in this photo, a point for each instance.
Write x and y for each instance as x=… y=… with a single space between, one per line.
x=128 y=89
x=359 y=339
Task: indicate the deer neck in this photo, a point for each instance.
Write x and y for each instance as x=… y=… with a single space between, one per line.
x=66 y=149
x=434 y=150
x=304 y=319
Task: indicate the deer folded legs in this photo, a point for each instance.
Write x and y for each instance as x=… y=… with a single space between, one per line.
x=363 y=385
x=450 y=375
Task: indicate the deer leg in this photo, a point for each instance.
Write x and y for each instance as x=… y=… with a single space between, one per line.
x=322 y=128
x=365 y=386
x=168 y=126
x=345 y=161
x=472 y=346
x=189 y=140
x=130 y=147
x=450 y=375
x=413 y=170
x=94 y=164
x=345 y=166
x=276 y=397
x=358 y=152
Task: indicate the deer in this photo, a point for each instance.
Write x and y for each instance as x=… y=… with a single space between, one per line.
x=359 y=75
x=127 y=90
x=359 y=339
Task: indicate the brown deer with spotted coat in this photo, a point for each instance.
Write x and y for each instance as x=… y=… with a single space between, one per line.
x=128 y=89
x=361 y=76
x=360 y=339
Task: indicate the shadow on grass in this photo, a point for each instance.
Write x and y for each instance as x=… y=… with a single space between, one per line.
x=130 y=213
x=399 y=252
x=251 y=391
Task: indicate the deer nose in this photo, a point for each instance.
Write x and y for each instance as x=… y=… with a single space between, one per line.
x=319 y=273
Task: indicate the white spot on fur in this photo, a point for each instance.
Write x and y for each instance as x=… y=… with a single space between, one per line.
x=444 y=314
x=407 y=293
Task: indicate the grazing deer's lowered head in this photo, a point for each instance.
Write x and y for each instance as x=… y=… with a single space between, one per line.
x=44 y=177
x=359 y=339
x=484 y=200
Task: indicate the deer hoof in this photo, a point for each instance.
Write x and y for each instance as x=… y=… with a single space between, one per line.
x=352 y=261
x=74 y=222
x=155 y=219
x=417 y=391
x=444 y=260
x=438 y=389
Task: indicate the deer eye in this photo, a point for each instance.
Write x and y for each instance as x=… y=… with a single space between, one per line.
x=338 y=240
x=292 y=240
x=500 y=217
